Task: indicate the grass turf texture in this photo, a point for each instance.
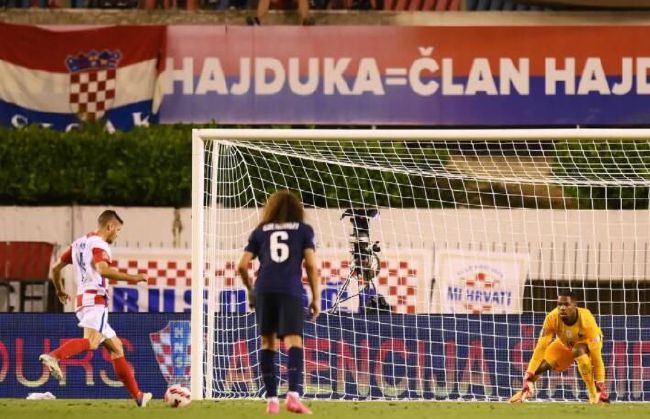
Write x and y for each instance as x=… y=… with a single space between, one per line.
x=231 y=409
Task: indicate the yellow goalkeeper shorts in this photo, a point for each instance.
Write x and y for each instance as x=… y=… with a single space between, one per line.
x=558 y=356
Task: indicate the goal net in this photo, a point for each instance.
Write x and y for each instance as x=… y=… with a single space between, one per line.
x=441 y=252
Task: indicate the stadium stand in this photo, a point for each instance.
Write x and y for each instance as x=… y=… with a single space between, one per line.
x=387 y=5
x=28 y=264
x=427 y=5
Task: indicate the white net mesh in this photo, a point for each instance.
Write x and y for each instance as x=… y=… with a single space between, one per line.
x=444 y=294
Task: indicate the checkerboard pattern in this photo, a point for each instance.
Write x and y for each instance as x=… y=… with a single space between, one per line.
x=92 y=93
x=161 y=343
x=161 y=273
x=397 y=279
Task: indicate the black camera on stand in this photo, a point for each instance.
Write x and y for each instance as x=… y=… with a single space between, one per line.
x=365 y=263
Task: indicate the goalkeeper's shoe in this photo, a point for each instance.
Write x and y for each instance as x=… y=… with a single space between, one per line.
x=601 y=393
x=527 y=391
x=52 y=364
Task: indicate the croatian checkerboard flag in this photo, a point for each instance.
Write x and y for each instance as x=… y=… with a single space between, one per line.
x=63 y=77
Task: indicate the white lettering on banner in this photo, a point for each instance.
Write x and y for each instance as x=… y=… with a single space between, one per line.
x=368 y=78
x=415 y=74
x=626 y=78
x=424 y=76
x=593 y=78
x=311 y=84
x=554 y=75
x=333 y=76
x=480 y=78
x=109 y=127
x=72 y=126
x=449 y=88
x=517 y=76
x=480 y=282
x=185 y=75
x=19 y=121
x=212 y=78
x=272 y=67
x=642 y=84
x=244 y=84
x=140 y=119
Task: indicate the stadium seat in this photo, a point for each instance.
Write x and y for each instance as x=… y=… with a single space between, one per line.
x=27 y=263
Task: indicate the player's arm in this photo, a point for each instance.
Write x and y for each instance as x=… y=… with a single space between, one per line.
x=528 y=385
x=545 y=338
x=112 y=273
x=251 y=251
x=109 y=272
x=311 y=266
x=242 y=268
x=57 y=278
x=101 y=262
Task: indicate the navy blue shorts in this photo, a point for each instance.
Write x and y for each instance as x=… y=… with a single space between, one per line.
x=280 y=314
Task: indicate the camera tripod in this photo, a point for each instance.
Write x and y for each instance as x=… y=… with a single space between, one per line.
x=363 y=273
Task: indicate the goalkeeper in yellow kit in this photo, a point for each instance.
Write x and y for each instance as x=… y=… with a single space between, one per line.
x=577 y=337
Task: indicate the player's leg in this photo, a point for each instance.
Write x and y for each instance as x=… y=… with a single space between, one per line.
x=91 y=320
x=293 y=343
x=123 y=370
x=303 y=10
x=598 y=366
x=266 y=312
x=270 y=373
x=581 y=355
x=261 y=12
x=290 y=328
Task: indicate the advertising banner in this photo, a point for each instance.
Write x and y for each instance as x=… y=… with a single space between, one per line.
x=377 y=75
x=64 y=77
x=477 y=357
x=480 y=282
x=156 y=345
x=403 y=280
x=435 y=75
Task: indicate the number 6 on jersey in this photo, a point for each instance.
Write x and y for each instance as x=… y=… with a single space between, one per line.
x=279 y=246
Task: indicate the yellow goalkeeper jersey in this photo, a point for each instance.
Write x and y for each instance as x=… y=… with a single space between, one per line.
x=584 y=329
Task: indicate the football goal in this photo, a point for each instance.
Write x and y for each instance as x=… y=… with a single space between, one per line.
x=441 y=252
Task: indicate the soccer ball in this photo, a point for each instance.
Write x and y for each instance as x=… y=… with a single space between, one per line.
x=178 y=396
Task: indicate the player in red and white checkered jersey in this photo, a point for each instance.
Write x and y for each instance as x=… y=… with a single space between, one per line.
x=91 y=257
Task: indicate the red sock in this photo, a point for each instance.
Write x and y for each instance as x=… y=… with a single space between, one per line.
x=126 y=375
x=71 y=348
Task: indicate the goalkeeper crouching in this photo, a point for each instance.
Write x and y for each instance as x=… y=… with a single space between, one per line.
x=577 y=338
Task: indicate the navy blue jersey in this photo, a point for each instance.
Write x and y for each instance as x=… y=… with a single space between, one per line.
x=280 y=249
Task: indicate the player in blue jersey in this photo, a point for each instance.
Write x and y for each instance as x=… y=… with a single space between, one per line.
x=281 y=241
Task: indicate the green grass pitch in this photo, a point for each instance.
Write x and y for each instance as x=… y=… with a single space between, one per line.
x=234 y=409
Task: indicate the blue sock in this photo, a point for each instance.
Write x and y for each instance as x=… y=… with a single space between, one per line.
x=269 y=374
x=294 y=368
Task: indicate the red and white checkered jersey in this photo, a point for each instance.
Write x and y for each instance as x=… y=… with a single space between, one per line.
x=84 y=254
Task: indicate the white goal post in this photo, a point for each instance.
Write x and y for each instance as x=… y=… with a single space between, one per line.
x=443 y=294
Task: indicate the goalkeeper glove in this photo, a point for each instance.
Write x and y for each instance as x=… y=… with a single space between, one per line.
x=527 y=389
x=528 y=386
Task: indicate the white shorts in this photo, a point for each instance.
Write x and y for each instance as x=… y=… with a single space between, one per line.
x=96 y=317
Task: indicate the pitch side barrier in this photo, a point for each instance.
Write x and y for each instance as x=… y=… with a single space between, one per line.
x=374 y=357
